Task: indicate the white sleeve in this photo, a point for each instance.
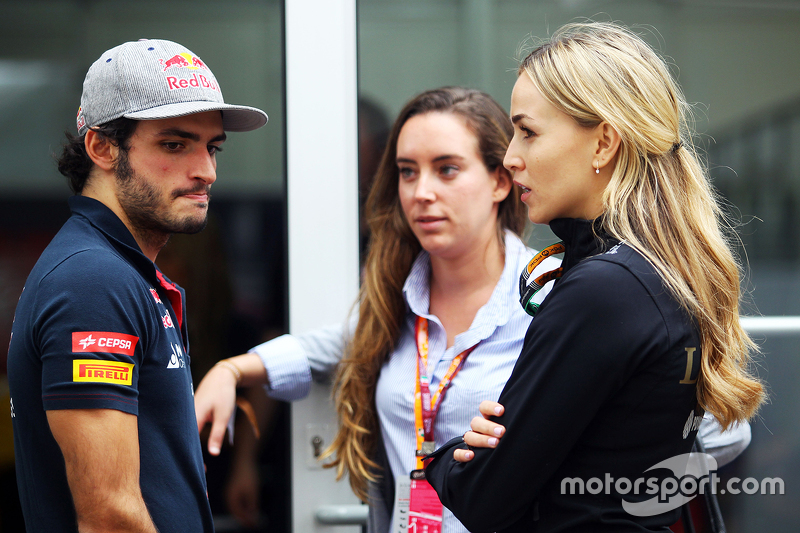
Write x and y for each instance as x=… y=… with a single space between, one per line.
x=292 y=361
x=724 y=446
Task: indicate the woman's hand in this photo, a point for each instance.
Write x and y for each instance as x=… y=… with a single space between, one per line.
x=215 y=402
x=484 y=434
x=215 y=397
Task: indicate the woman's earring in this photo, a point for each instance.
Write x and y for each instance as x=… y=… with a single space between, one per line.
x=597 y=167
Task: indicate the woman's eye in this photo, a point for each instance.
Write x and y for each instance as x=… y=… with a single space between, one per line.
x=449 y=170
x=406 y=172
x=527 y=133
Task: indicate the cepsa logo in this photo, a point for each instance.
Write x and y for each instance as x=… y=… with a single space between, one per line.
x=96 y=371
x=103 y=341
x=191 y=63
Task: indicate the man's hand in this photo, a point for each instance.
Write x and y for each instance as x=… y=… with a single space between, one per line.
x=484 y=434
x=101 y=454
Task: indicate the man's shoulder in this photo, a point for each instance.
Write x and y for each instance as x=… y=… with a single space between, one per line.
x=82 y=248
x=84 y=262
x=92 y=263
x=72 y=265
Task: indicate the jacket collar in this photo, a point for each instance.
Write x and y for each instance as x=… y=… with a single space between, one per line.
x=582 y=239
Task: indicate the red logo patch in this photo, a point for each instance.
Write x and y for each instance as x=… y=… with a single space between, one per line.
x=80 y=118
x=155 y=295
x=167 y=320
x=103 y=341
x=182 y=60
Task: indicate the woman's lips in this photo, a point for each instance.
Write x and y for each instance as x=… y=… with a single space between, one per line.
x=521 y=186
x=430 y=222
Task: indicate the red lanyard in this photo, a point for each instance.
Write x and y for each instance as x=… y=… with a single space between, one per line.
x=425 y=406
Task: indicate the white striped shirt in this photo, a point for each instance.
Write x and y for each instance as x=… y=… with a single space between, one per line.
x=498 y=329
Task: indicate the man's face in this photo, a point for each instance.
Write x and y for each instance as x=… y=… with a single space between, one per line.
x=163 y=180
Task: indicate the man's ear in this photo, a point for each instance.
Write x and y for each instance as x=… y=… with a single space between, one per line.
x=101 y=151
x=503 y=184
x=608 y=141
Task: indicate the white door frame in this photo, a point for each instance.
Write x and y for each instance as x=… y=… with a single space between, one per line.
x=322 y=196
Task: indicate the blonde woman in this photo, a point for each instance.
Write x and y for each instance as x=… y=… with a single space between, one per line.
x=640 y=335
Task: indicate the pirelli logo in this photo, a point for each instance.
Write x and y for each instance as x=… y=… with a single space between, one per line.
x=103 y=341
x=98 y=371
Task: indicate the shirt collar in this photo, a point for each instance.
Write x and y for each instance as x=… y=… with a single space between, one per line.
x=109 y=224
x=494 y=313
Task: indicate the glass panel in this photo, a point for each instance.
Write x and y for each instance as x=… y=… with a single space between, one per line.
x=734 y=59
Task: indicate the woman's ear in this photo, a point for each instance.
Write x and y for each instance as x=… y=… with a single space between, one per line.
x=502 y=184
x=608 y=141
x=101 y=151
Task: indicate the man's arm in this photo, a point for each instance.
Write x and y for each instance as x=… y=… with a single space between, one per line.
x=101 y=454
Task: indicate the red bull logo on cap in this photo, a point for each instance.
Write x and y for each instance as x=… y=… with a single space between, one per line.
x=191 y=63
x=81 y=119
x=182 y=60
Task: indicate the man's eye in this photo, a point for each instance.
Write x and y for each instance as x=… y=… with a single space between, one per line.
x=214 y=149
x=172 y=146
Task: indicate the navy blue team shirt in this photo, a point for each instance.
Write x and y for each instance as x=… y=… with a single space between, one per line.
x=98 y=326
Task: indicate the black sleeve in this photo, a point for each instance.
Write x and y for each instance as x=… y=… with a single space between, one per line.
x=584 y=343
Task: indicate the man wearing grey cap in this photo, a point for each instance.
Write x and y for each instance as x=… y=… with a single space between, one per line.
x=105 y=433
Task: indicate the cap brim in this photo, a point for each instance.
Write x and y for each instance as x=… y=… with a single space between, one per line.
x=234 y=117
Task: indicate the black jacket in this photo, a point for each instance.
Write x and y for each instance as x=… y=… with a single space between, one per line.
x=599 y=390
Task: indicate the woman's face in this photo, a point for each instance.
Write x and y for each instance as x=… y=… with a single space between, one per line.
x=448 y=196
x=552 y=159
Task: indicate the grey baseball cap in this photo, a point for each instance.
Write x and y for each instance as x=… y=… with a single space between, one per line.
x=154 y=79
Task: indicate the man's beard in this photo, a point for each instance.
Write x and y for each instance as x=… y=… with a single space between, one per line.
x=147 y=212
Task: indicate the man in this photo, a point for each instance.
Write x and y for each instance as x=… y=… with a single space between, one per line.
x=105 y=433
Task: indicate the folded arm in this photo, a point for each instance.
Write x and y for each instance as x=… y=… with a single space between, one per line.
x=562 y=378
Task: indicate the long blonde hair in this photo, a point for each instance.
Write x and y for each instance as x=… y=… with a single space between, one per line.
x=392 y=250
x=659 y=199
